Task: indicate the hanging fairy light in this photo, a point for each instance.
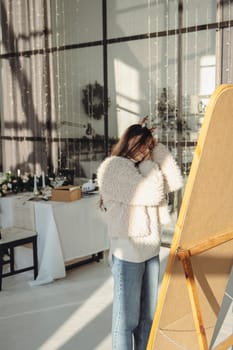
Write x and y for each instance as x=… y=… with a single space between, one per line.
x=78 y=144
x=197 y=121
x=196 y=92
x=228 y=46
x=43 y=95
x=91 y=96
x=65 y=114
x=176 y=87
x=207 y=31
x=185 y=88
x=166 y=66
x=58 y=84
x=149 y=60
x=156 y=72
x=91 y=136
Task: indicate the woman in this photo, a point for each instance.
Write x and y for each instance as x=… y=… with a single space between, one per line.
x=133 y=184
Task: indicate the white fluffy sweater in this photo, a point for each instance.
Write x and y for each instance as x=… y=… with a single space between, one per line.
x=134 y=198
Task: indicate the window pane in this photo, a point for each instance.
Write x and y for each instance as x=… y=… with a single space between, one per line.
x=199 y=66
x=199 y=82
x=126 y=18
x=199 y=12
x=75 y=21
x=80 y=132
x=138 y=73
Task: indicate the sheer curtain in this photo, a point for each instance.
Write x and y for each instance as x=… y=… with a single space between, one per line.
x=27 y=107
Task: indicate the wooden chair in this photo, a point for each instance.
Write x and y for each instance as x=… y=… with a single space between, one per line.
x=10 y=238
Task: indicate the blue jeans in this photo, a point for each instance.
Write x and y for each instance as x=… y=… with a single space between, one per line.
x=135 y=298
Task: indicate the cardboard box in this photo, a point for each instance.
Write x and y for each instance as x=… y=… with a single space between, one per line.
x=66 y=193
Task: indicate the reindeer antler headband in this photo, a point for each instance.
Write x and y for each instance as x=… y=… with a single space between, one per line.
x=143 y=123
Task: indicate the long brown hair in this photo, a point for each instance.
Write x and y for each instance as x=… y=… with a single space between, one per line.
x=122 y=149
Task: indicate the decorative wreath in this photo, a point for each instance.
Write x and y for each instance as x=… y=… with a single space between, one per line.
x=93 y=100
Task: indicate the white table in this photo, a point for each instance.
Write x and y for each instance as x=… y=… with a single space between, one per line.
x=66 y=231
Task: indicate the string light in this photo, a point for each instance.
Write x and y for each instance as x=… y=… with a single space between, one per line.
x=185 y=89
x=175 y=69
x=156 y=117
x=58 y=85
x=166 y=64
x=228 y=46
x=149 y=60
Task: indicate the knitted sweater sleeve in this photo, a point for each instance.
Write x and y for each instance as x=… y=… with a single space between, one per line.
x=169 y=168
x=119 y=180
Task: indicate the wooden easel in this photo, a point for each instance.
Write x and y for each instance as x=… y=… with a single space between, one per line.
x=185 y=258
x=201 y=253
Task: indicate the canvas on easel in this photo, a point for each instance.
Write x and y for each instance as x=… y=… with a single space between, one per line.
x=201 y=254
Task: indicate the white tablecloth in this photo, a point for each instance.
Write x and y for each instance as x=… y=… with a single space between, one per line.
x=66 y=231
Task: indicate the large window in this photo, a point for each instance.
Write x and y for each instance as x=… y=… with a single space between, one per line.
x=75 y=73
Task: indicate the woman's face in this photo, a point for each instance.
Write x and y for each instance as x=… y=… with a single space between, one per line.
x=143 y=151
